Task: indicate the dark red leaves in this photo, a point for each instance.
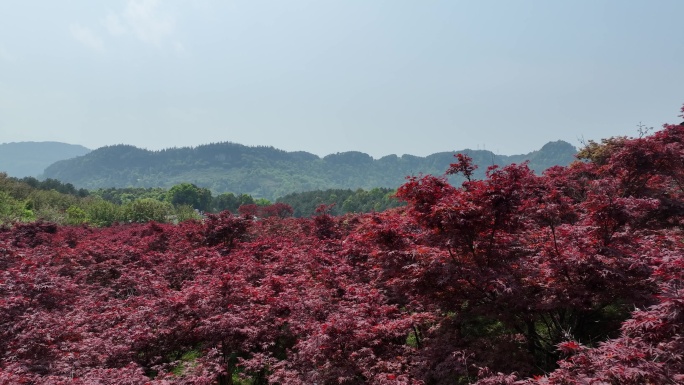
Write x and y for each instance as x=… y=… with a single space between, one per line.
x=224 y=228
x=464 y=166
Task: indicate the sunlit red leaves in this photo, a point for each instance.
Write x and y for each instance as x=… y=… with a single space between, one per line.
x=569 y=347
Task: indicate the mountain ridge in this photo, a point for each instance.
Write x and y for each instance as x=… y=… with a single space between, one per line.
x=22 y=159
x=264 y=171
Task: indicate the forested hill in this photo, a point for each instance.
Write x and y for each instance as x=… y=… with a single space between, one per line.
x=268 y=172
x=22 y=159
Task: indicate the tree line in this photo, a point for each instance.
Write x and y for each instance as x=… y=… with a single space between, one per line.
x=29 y=199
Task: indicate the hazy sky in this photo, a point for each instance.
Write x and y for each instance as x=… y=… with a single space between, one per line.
x=382 y=77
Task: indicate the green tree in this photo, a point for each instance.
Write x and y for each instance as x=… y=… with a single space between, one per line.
x=13 y=210
x=262 y=202
x=48 y=200
x=76 y=216
x=189 y=194
x=245 y=199
x=147 y=209
x=226 y=201
x=100 y=212
x=186 y=212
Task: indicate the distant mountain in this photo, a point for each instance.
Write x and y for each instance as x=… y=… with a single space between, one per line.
x=270 y=173
x=21 y=159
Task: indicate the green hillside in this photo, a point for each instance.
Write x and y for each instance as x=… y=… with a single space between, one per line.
x=268 y=172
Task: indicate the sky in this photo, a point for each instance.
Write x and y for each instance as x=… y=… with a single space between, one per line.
x=326 y=76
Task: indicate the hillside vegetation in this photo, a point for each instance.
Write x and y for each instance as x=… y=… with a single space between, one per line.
x=29 y=199
x=265 y=172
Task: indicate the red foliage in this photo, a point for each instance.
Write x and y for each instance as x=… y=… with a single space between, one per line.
x=252 y=211
x=464 y=166
x=573 y=276
x=280 y=210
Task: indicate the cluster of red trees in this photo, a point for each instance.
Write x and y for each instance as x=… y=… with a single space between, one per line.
x=572 y=277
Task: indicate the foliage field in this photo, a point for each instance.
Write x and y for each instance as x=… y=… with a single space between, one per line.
x=575 y=276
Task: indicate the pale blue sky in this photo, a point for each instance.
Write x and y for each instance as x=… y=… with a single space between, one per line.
x=382 y=77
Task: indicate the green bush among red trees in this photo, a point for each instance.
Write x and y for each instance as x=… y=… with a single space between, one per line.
x=575 y=276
